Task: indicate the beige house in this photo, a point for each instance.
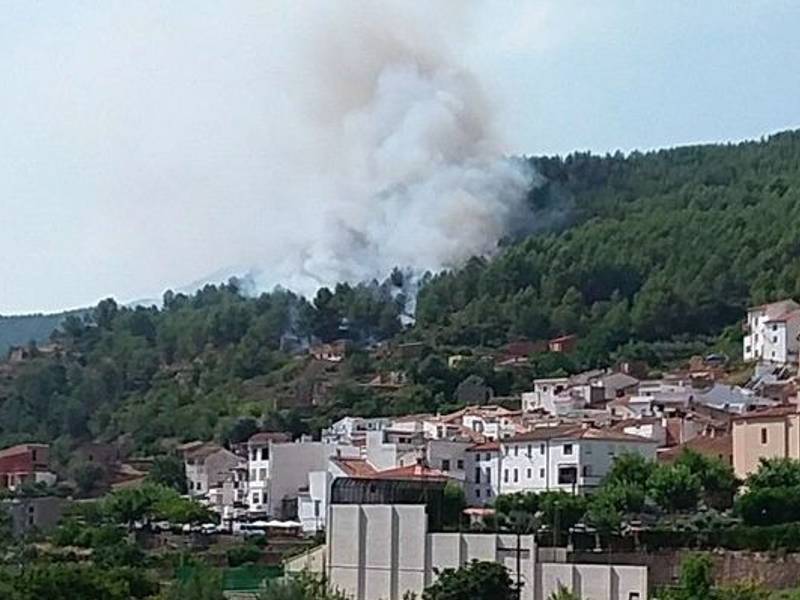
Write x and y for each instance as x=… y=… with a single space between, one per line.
x=769 y=433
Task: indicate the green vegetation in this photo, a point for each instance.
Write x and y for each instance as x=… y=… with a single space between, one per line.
x=475 y=581
x=666 y=247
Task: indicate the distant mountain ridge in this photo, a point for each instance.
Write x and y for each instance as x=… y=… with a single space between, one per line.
x=19 y=330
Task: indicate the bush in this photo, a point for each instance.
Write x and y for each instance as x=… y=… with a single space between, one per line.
x=239 y=555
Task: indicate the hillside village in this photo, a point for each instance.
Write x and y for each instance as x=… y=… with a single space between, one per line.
x=563 y=435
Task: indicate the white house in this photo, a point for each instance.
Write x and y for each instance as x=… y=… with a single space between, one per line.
x=771 y=332
x=565 y=457
x=353 y=430
x=545 y=395
x=258 y=460
x=482 y=483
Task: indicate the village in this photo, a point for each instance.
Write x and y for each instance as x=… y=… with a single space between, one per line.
x=563 y=435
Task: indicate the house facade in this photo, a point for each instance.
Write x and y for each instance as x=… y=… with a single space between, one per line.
x=25 y=464
x=208 y=466
x=768 y=433
x=771 y=332
x=567 y=458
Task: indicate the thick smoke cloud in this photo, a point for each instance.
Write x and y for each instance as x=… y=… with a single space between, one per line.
x=410 y=171
x=156 y=144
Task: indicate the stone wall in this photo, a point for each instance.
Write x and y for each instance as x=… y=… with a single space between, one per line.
x=774 y=570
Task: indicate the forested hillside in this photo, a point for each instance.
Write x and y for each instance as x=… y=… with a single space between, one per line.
x=656 y=257
x=664 y=244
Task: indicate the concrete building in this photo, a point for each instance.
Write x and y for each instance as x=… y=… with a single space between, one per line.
x=33 y=514
x=771 y=332
x=385 y=551
x=768 y=433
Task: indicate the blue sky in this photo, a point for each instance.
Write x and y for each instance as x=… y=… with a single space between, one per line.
x=136 y=139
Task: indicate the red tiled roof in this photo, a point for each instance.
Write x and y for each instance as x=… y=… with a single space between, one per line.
x=264 y=437
x=22 y=449
x=716 y=446
x=542 y=433
x=571 y=432
x=412 y=472
x=355 y=467
x=490 y=446
x=772 y=412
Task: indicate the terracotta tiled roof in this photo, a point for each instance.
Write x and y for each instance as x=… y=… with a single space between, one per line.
x=355 y=467
x=716 y=446
x=572 y=432
x=21 y=449
x=490 y=446
x=412 y=472
x=542 y=433
x=264 y=437
x=202 y=451
x=772 y=412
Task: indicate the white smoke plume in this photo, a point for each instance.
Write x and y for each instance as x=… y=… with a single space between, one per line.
x=409 y=170
x=304 y=143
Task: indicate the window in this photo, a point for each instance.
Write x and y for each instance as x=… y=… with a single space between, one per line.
x=445 y=465
x=265 y=454
x=529 y=473
x=541 y=448
x=477 y=474
x=567 y=449
x=567 y=475
x=255 y=498
x=516 y=450
x=516 y=475
x=254 y=454
x=530 y=450
x=262 y=474
x=505 y=450
x=253 y=475
x=586 y=471
x=505 y=476
x=478 y=493
x=488 y=493
x=541 y=473
x=460 y=465
x=488 y=457
x=488 y=475
x=763 y=435
x=633 y=596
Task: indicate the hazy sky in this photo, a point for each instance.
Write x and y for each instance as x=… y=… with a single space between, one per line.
x=143 y=145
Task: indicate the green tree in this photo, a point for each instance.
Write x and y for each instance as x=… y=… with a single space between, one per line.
x=675 y=488
x=717 y=479
x=169 y=471
x=300 y=586
x=475 y=581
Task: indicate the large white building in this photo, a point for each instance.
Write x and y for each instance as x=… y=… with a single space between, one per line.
x=387 y=551
x=567 y=457
x=771 y=332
